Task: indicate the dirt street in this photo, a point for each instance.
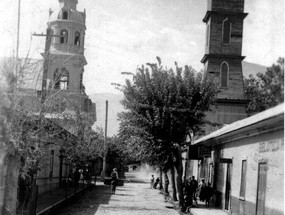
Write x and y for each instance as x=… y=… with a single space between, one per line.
x=134 y=198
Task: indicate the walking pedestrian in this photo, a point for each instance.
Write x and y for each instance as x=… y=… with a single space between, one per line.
x=114 y=180
x=151 y=181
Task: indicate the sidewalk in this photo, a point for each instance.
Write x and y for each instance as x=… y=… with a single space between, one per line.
x=52 y=199
x=203 y=210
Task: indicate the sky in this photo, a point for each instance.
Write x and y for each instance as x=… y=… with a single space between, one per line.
x=124 y=34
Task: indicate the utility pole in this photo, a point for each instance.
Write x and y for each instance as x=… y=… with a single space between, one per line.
x=105 y=144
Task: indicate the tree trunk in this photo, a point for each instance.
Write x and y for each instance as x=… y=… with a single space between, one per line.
x=166 y=181
x=9 y=168
x=179 y=168
x=174 y=194
x=160 y=179
x=10 y=199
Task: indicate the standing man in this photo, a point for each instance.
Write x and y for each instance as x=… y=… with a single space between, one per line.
x=193 y=189
x=151 y=181
x=114 y=180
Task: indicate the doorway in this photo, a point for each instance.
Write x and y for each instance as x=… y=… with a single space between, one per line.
x=228 y=187
x=261 y=188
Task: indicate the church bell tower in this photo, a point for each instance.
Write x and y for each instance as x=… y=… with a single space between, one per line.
x=223 y=58
x=66 y=60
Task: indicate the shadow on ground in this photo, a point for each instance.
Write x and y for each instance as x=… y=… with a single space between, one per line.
x=86 y=203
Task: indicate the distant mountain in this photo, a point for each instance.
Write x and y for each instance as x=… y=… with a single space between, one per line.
x=114 y=107
x=252 y=68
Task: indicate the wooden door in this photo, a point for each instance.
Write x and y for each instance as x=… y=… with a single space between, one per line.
x=261 y=189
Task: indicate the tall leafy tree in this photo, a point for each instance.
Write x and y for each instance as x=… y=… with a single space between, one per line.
x=165 y=104
x=265 y=90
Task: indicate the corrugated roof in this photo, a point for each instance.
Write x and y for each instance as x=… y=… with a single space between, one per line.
x=267 y=114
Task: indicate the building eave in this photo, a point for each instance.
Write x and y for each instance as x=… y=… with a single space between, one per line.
x=209 y=13
x=207 y=56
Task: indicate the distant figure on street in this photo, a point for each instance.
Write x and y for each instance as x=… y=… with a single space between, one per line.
x=76 y=177
x=156 y=183
x=151 y=181
x=114 y=180
x=193 y=189
x=202 y=190
x=187 y=196
x=209 y=192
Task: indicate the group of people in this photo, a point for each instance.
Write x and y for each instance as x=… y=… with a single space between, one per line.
x=192 y=190
x=154 y=182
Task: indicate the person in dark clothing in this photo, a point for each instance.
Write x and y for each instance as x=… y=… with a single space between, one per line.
x=156 y=183
x=202 y=190
x=187 y=196
x=151 y=181
x=193 y=189
x=114 y=180
x=209 y=192
x=76 y=177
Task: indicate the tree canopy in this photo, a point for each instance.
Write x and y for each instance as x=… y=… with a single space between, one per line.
x=265 y=90
x=162 y=106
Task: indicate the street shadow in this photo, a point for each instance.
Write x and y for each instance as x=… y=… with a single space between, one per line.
x=89 y=201
x=123 y=195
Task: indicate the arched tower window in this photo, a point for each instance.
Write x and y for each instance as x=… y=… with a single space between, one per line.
x=64 y=36
x=224 y=74
x=77 y=38
x=65 y=15
x=61 y=79
x=227 y=25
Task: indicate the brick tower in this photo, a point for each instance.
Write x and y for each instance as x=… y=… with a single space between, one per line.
x=223 y=59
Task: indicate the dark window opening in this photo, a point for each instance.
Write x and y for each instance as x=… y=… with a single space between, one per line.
x=77 y=39
x=64 y=36
x=226 y=31
x=65 y=15
x=224 y=74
